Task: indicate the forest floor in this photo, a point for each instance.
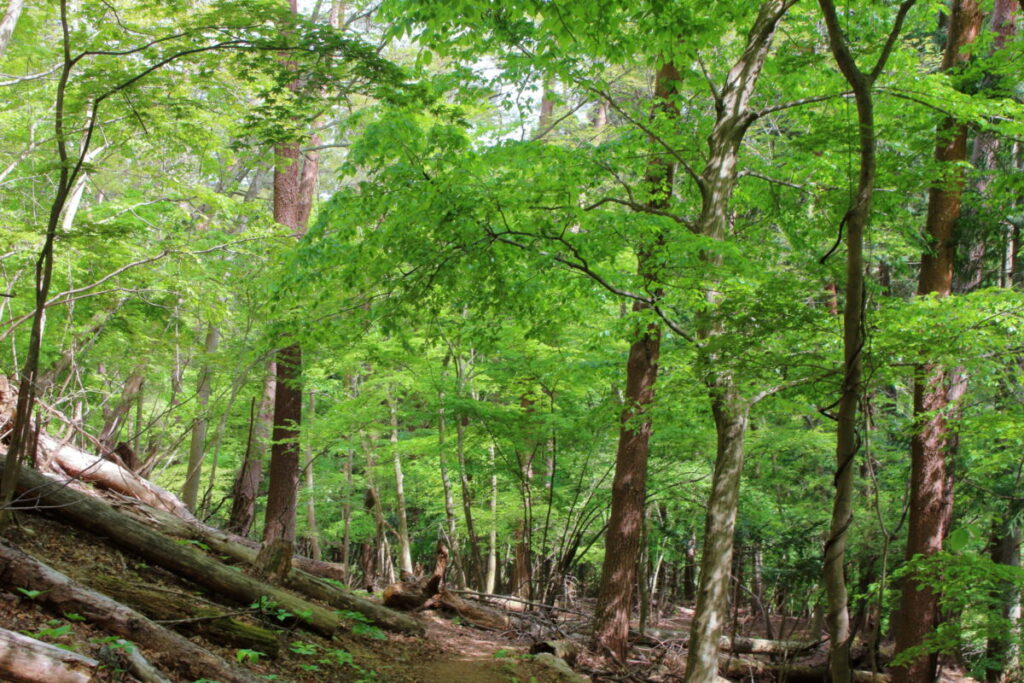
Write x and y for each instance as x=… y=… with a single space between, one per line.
x=449 y=653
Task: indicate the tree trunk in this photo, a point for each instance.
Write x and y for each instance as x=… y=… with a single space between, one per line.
x=492 y=542
x=247 y=483
x=717 y=183
x=629 y=485
x=294 y=185
x=847 y=441
x=405 y=552
x=113 y=419
x=197 y=447
x=929 y=494
x=314 y=533
x=449 y=500
x=1003 y=652
x=279 y=524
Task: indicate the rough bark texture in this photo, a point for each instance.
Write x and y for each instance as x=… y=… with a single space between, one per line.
x=172 y=651
x=9 y=22
x=405 y=553
x=930 y=489
x=629 y=486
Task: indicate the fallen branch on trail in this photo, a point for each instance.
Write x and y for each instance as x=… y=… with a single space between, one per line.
x=172 y=651
x=27 y=660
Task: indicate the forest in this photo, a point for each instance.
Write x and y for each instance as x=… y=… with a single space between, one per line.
x=535 y=340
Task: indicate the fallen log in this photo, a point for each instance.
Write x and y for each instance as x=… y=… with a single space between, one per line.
x=172 y=651
x=414 y=594
x=181 y=613
x=99 y=517
x=27 y=660
x=223 y=543
x=745 y=668
x=474 y=612
x=735 y=644
x=92 y=468
x=564 y=649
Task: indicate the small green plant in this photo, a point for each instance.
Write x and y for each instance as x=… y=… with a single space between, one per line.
x=362 y=625
x=30 y=594
x=54 y=631
x=503 y=653
x=300 y=647
x=251 y=656
x=192 y=541
x=309 y=667
x=343 y=657
x=73 y=616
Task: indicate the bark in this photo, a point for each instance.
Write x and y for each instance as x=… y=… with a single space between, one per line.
x=717 y=182
x=405 y=553
x=381 y=555
x=492 y=539
x=314 y=533
x=282 y=495
x=930 y=490
x=412 y=594
x=847 y=441
x=173 y=652
x=247 y=483
x=9 y=22
x=449 y=500
x=294 y=185
x=197 y=446
x=735 y=644
x=27 y=660
x=629 y=485
x=97 y=517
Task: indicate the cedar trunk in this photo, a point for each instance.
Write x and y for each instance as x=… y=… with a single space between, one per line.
x=930 y=490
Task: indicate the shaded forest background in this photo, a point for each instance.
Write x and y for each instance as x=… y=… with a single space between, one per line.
x=658 y=304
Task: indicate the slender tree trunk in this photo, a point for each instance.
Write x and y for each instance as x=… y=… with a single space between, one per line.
x=629 y=485
x=930 y=493
x=115 y=417
x=730 y=410
x=346 y=519
x=314 y=532
x=247 y=483
x=1004 y=652
x=197 y=447
x=847 y=441
x=449 y=500
x=405 y=553
x=492 y=542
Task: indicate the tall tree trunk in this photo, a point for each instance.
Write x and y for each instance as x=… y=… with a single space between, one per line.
x=449 y=500
x=629 y=485
x=929 y=489
x=197 y=447
x=314 y=532
x=730 y=410
x=247 y=483
x=492 y=541
x=475 y=572
x=847 y=441
x=1003 y=652
x=346 y=519
x=404 y=549
x=115 y=417
x=294 y=185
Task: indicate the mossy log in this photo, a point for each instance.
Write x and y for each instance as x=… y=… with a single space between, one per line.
x=744 y=668
x=183 y=613
x=98 y=517
x=223 y=543
x=171 y=651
